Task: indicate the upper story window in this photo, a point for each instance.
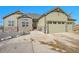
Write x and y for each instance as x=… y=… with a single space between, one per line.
x=10 y=23
x=24 y=24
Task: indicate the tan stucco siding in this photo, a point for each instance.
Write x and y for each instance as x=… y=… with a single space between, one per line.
x=53 y=28
x=26 y=28
x=41 y=24
x=70 y=25
x=10 y=28
x=56 y=16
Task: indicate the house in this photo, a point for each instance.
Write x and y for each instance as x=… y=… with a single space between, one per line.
x=55 y=21
x=1 y=28
x=19 y=22
x=76 y=28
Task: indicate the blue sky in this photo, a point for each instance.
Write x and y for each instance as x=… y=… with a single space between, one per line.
x=5 y=10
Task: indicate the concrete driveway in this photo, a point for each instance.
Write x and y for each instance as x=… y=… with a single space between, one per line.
x=38 y=42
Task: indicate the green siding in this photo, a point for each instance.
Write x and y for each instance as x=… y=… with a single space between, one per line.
x=55 y=28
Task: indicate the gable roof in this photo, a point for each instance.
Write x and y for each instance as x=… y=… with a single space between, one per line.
x=70 y=19
x=77 y=27
x=24 y=16
x=56 y=10
x=17 y=12
x=32 y=16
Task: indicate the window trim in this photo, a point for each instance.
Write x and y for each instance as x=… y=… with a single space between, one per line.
x=11 y=23
x=25 y=24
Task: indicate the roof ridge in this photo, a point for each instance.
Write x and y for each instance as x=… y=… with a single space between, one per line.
x=18 y=12
x=24 y=15
x=54 y=10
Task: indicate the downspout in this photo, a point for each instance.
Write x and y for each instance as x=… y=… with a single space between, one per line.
x=45 y=25
x=3 y=26
x=67 y=24
x=32 y=24
x=47 y=28
x=73 y=26
x=17 y=26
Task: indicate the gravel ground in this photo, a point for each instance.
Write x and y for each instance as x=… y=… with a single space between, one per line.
x=38 y=42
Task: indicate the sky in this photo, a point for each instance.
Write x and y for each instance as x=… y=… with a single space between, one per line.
x=6 y=10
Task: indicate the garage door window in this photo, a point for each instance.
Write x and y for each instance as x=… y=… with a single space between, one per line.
x=59 y=22
x=49 y=22
x=54 y=22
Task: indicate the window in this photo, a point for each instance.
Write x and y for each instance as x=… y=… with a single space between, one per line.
x=54 y=22
x=69 y=23
x=63 y=22
x=24 y=24
x=10 y=23
x=49 y=22
x=59 y=22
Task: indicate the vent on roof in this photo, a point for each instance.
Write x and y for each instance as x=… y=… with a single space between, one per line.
x=18 y=12
x=58 y=10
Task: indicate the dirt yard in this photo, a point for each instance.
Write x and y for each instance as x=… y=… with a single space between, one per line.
x=38 y=42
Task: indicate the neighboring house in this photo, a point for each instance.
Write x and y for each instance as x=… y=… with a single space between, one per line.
x=76 y=28
x=55 y=21
x=20 y=22
x=1 y=28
